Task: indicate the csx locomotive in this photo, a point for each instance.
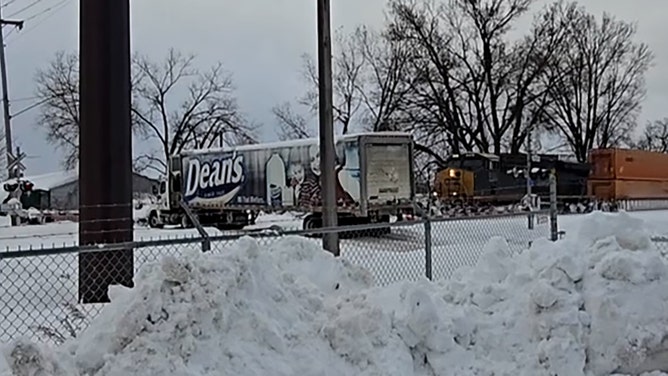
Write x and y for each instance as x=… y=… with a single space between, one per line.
x=625 y=178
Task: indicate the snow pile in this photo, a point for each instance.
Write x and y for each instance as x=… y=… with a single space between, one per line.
x=591 y=305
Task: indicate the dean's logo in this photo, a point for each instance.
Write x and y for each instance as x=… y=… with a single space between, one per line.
x=218 y=179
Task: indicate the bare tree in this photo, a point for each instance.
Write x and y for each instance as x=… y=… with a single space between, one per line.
x=291 y=125
x=597 y=97
x=472 y=88
x=206 y=115
x=384 y=85
x=654 y=137
x=347 y=69
x=58 y=90
x=347 y=66
x=434 y=107
x=530 y=77
x=368 y=85
x=498 y=72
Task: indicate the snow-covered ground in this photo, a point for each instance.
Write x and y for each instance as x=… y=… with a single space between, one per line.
x=595 y=303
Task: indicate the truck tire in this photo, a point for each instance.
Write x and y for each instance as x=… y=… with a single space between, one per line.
x=154 y=220
x=186 y=222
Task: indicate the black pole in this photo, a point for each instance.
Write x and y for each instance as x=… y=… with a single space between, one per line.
x=330 y=241
x=105 y=146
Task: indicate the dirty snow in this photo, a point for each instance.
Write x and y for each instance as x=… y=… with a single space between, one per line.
x=594 y=304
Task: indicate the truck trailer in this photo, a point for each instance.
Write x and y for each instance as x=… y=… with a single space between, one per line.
x=230 y=186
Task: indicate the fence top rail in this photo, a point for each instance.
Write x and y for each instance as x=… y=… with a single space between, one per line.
x=271 y=232
x=55 y=250
x=488 y=216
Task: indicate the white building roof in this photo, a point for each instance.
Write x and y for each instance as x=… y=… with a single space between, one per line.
x=53 y=180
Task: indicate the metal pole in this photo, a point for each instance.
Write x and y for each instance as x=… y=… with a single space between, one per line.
x=5 y=95
x=527 y=174
x=554 y=228
x=105 y=147
x=330 y=241
x=5 y=108
x=427 y=247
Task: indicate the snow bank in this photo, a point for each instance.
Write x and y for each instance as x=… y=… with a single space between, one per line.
x=594 y=304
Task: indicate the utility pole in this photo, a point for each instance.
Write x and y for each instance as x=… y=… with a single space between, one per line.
x=330 y=240
x=527 y=174
x=105 y=148
x=5 y=93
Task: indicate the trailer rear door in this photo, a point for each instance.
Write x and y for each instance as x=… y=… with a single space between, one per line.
x=388 y=173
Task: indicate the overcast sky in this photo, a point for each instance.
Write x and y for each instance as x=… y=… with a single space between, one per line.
x=260 y=41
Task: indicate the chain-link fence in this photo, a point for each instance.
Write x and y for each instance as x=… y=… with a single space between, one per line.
x=661 y=244
x=40 y=286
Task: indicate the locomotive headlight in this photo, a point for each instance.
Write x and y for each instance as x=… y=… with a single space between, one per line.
x=452 y=173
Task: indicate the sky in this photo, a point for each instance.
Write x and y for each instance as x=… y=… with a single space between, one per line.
x=259 y=41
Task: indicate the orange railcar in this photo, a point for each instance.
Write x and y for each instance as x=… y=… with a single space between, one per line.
x=625 y=164
x=627 y=189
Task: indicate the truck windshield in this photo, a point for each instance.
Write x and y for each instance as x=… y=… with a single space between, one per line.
x=176 y=182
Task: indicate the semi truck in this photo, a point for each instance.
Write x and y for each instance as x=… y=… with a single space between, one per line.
x=230 y=186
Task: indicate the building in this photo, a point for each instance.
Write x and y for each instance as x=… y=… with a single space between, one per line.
x=60 y=190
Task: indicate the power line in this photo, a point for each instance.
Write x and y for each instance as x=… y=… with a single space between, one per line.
x=10 y=2
x=48 y=9
x=25 y=99
x=36 y=104
x=25 y=8
x=54 y=9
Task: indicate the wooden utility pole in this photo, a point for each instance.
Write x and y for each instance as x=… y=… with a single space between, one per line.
x=5 y=94
x=105 y=147
x=330 y=240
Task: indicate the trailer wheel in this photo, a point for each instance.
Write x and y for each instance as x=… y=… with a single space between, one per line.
x=154 y=220
x=312 y=222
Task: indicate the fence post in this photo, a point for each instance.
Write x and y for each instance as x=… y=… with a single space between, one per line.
x=427 y=248
x=206 y=242
x=554 y=228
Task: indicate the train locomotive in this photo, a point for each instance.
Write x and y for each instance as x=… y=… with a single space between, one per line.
x=613 y=178
x=483 y=182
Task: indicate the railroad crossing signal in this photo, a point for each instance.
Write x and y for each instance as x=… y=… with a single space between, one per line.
x=16 y=165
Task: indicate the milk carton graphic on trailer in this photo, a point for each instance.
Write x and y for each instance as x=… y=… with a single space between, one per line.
x=276 y=183
x=231 y=185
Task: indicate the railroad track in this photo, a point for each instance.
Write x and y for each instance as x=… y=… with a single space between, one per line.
x=458 y=211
